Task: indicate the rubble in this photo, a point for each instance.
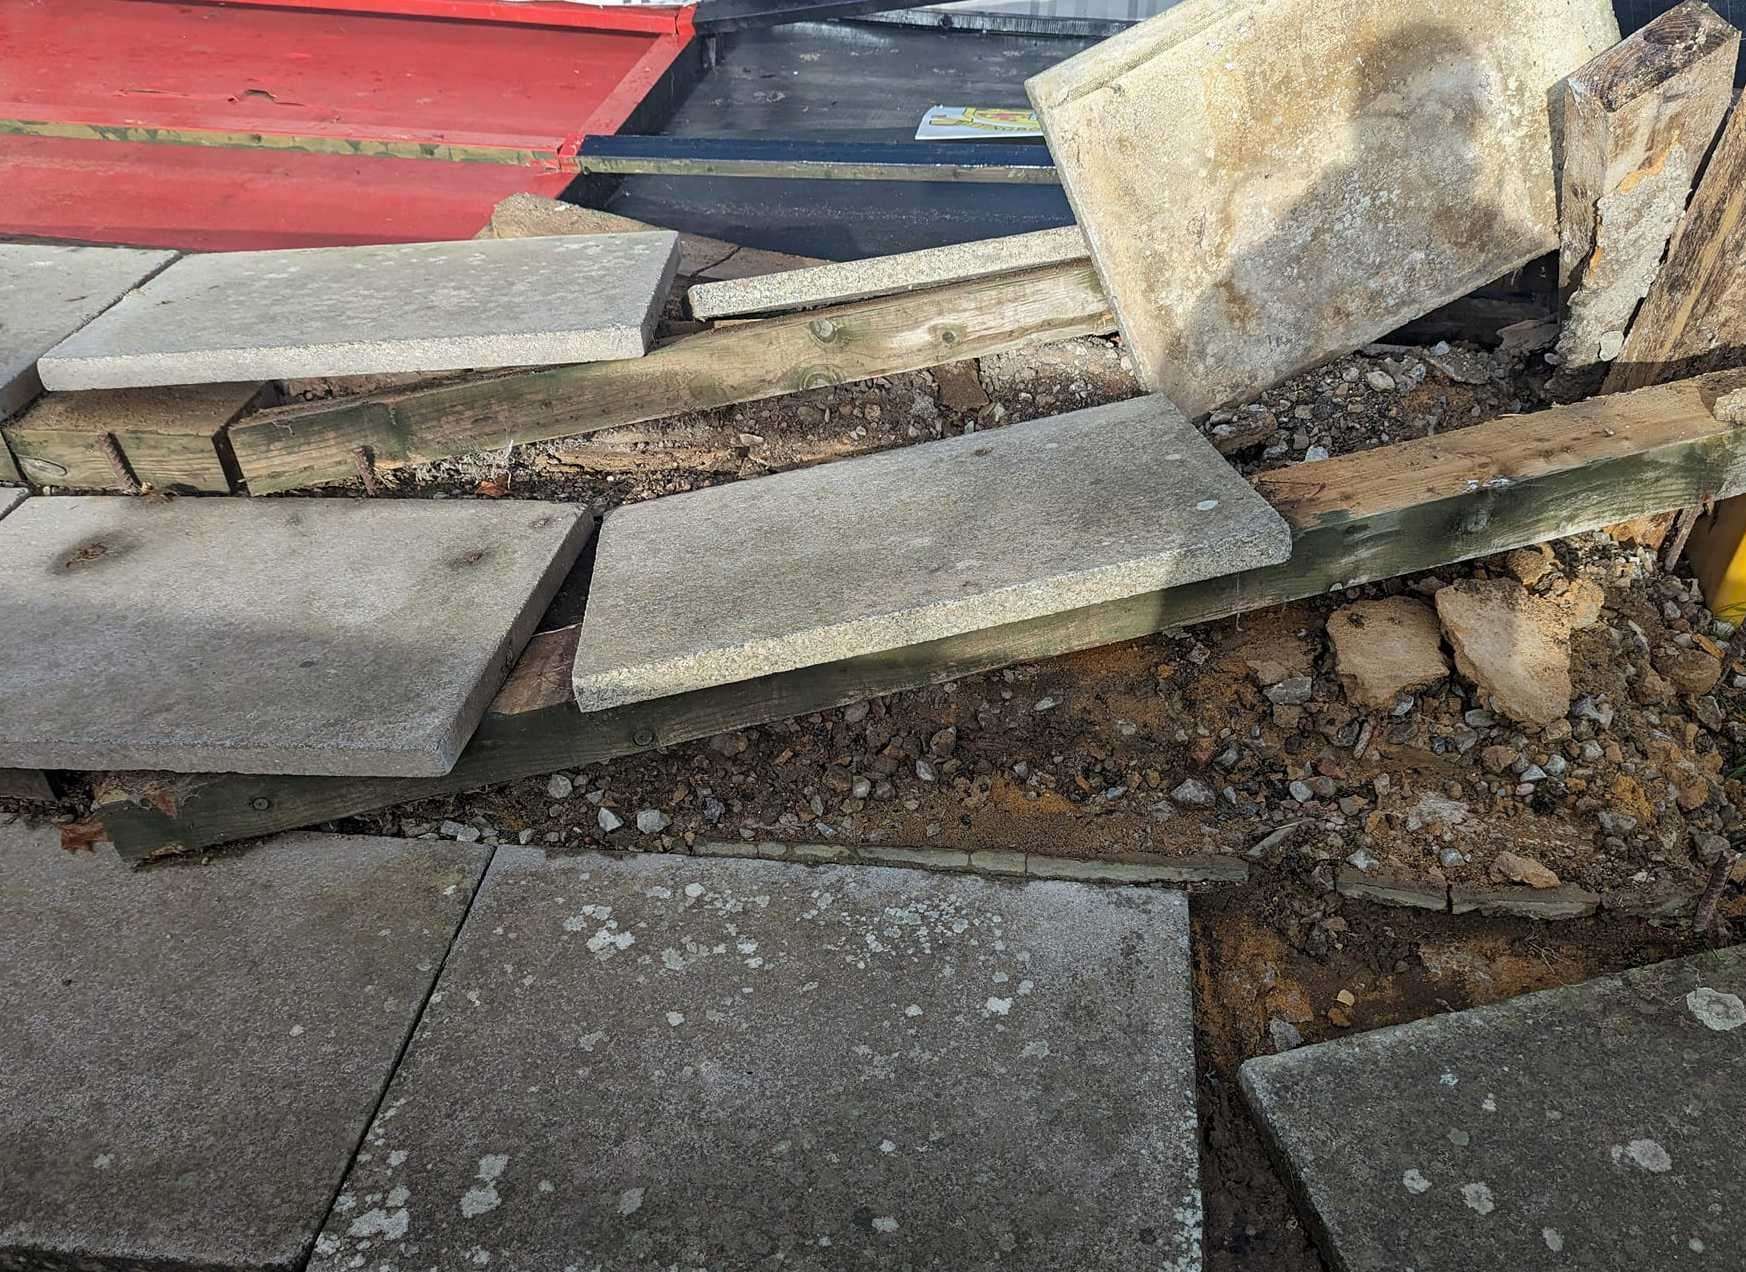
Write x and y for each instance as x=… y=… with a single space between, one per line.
x=1512 y=645
x=1385 y=648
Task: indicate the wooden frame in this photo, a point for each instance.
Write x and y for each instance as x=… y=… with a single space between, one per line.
x=1356 y=518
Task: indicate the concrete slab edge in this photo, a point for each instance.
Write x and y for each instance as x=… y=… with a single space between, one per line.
x=1567 y=901
x=1128 y=869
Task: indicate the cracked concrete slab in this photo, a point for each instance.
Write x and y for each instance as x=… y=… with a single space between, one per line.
x=1592 y=1126
x=1266 y=184
x=652 y=1061
x=191 y=1053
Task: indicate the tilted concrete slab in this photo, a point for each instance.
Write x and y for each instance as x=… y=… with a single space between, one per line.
x=319 y=636
x=864 y=555
x=192 y=1053
x=1592 y=1126
x=11 y=498
x=843 y=281
x=367 y=310
x=47 y=293
x=1266 y=184
x=659 y=1061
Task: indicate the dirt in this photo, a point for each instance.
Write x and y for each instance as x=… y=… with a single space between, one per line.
x=1080 y=754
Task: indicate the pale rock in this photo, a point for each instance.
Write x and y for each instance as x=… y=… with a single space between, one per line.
x=1384 y=648
x=1581 y=603
x=1515 y=868
x=1529 y=565
x=1691 y=671
x=1514 y=646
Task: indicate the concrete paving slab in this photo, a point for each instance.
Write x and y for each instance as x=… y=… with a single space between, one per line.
x=1592 y=1126
x=192 y=1053
x=47 y=293
x=1266 y=185
x=844 y=281
x=378 y=309
x=722 y=585
x=657 y=1061
x=317 y=636
x=10 y=499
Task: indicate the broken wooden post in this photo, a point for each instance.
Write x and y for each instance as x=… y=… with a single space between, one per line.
x=1694 y=318
x=1638 y=121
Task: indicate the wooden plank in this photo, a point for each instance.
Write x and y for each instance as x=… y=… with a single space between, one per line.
x=1694 y=318
x=302 y=446
x=1373 y=515
x=171 y=438
x=8 y=469
x=1638 y=121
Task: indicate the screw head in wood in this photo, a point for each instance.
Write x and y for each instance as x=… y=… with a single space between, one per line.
x=644 y=737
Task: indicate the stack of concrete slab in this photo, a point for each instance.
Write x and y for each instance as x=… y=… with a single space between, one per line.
x=191 y=1055
x=872 y=554
x=313 y=636
x=364 y=310
x=843 y=281
x=662 y=1061
x=1265 y=184
x=49 y=292
x=1593 y=1126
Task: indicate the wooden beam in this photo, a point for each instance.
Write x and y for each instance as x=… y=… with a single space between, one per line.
x=171 y=438
x=1372 y=515
x=302 y=446
x=1638 y=121
x=1694 y=318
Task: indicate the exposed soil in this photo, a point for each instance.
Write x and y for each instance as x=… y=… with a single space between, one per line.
x=1087 y=754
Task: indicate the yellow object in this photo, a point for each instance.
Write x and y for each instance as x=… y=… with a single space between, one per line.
x=1717 y=552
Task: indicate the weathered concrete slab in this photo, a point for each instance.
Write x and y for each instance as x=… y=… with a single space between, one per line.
x=318 y=636
x=722 y=585
x=1637 y=122
x=192 y=1053
x=11 y=498
x=844 y=281
x=49 y=292
x=1594 y=1126
x=1266 y=185
x=661 y=1061
x=367 y=310
x=168 y=436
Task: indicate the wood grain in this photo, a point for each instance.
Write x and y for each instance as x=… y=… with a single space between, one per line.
x=1372 y=515
x=1694 y=318
x=302 y=446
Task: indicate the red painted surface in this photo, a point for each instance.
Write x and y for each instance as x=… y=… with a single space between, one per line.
x=207 y=200
x=252 y=79
x=669 y=20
